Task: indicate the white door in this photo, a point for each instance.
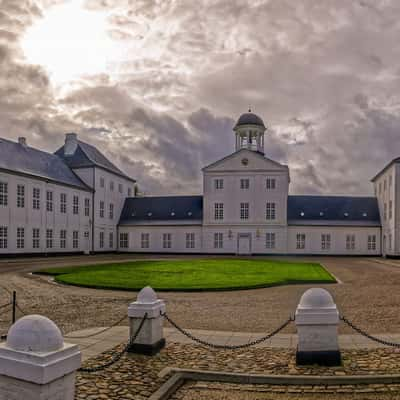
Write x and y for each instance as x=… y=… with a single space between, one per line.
x=244 y=245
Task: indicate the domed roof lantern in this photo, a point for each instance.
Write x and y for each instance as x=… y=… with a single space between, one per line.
x=249 y=131
x=249 y=118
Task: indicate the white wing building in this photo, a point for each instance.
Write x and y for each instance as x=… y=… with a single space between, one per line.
x=77 y=201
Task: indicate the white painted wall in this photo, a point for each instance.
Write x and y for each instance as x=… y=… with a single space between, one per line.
x=14 y=217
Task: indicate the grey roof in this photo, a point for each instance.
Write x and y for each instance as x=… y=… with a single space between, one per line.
x=18 y=158
x=182 y=209
x=249 y=119
x=87 y=155
x=333 y=210
x=302 y=210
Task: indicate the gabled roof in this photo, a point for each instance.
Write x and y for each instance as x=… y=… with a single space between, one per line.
x=86 y=156
x=259 y=154
x=394 y=161
x=333 y=210
x=182 y=209
x=22 y=159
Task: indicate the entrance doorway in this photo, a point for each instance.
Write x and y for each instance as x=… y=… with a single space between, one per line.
x=244 y=244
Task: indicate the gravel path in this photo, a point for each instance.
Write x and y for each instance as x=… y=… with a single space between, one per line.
x=369 y=295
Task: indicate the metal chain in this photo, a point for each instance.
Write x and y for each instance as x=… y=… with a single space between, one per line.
x=117 y=356
x=97 y=333
x=367 y=335
x=228 y=347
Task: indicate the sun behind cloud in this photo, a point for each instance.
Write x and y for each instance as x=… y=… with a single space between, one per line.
x=70 y=41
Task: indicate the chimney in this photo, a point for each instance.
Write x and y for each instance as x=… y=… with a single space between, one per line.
x=71 y=143
x=22 y=141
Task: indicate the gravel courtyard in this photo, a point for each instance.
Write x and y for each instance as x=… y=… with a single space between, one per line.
x=368 y=294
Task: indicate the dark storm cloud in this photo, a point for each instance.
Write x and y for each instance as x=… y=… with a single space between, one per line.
x=324 y=76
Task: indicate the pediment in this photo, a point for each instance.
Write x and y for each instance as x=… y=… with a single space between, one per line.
x=245 y=160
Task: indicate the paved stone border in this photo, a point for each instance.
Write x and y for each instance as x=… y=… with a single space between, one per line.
x=181 y=376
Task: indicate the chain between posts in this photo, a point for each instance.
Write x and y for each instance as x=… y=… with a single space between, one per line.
x=228 y=347
x=367 y=335
x=117 y=356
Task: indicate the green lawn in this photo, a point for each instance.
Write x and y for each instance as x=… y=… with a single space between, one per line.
x=192 y=275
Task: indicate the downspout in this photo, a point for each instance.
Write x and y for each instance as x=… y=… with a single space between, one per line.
x=93 y=197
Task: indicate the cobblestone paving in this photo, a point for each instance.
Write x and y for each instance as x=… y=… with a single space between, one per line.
x=369 y=296
x=216 y=391
x=136 y=377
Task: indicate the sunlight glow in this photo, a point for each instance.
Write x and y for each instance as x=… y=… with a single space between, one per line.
x=70 y=41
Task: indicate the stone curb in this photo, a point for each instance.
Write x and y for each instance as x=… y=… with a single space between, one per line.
x=180 y=376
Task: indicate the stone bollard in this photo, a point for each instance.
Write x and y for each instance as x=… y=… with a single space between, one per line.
x=35 y=363
x=151 y=337
x=317 y=320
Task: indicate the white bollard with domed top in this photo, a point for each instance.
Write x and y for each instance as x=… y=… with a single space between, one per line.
x=317 y=320
x=35 y=363
x=150 y=339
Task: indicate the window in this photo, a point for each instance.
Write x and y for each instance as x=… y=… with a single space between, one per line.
x=190 y=240
x=120 y=188
x=219 y=184
x=384 y=185
x=271 y=183
x=3 y=237
x=20 y=196
x=112 y=186
x=36 y=199
x=111 y=214
x=36 y=238
x=380 y=187
x=3 y=194
x=350 y=242
x=270 y=211
x=270 y=240
x=101 y=182
x=244 y=210
x=101 y=240
x=371 y=242
x=129 y=192
x=218 y=210
x=123 y=240
x=244 y=183
x=218 y=240
x=390 y=180
x=20 y=238
x=49 y=201
x=145 y=240
x=49 y=238
x=390 y=209
x=75 y=205
x=101 y=209
x=301 y=241
x=75 y=239
x=87 y=207
x=63 y=203
x=384 y=211
x=390 y=241
x=325 y=241
x=63 y=238
x=111 y=240
x=167 y=240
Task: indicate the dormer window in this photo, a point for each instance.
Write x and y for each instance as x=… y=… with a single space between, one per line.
x=172 y=214
x=189 y=213
x=321 y=214
x=149 y=214
x=302 y=214
x=346 y=214
x=365 y=214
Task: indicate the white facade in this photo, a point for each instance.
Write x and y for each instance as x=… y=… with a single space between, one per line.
x=39 y=214
x=245 y=208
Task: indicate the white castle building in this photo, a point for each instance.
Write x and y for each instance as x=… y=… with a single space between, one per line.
x=76 y=200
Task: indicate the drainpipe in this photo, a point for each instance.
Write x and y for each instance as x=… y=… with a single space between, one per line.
x=93 y=197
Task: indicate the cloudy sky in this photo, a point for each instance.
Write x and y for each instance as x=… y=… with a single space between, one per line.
x=157 y=85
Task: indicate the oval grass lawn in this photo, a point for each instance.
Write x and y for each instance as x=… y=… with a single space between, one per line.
x=192 y=275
